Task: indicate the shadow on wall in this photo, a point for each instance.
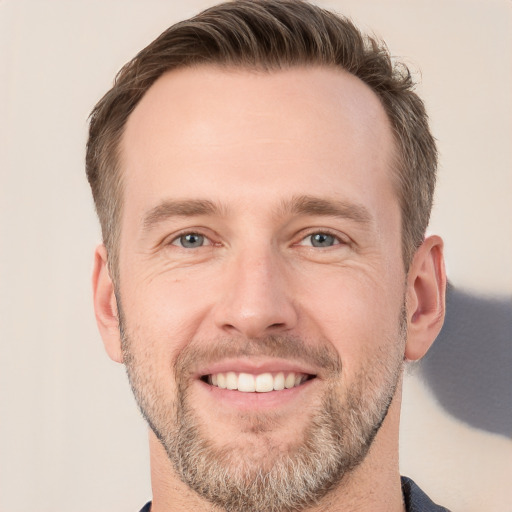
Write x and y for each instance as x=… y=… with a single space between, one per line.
x=469 y=367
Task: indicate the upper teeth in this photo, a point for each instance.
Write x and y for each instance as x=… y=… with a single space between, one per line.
x=262 y=383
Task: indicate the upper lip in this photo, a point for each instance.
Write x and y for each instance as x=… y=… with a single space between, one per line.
x=256 y=366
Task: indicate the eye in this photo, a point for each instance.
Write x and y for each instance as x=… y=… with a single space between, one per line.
x=191 y=241
x=320 y=239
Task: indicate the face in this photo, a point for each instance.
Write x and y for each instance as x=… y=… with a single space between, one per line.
x=261 y=286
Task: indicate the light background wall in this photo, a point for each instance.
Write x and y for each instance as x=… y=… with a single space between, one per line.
x=70 y=435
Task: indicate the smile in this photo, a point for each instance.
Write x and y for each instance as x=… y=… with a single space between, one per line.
x=261 y=383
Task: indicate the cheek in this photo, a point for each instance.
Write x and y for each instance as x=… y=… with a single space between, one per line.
x=163 y=313
x=357 y=312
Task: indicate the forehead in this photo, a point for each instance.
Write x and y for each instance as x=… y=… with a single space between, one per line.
x=298 y=129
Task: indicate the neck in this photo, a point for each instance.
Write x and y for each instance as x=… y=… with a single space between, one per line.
x=373 y=486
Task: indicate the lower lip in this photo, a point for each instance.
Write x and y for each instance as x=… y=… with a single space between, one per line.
x=255 y=401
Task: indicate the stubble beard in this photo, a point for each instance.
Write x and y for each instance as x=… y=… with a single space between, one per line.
x=336 y=437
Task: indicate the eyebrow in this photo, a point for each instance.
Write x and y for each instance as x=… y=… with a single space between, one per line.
x=297 y=205
x=180 y=208
x=311 y=205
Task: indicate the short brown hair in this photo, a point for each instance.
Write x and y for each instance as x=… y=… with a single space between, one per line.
x=268 y=35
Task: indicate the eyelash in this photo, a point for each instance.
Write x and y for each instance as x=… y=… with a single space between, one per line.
x=177 y=240
x=338 y=240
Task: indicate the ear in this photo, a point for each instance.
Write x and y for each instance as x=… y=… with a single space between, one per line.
x=105 y=305
x=426 y=288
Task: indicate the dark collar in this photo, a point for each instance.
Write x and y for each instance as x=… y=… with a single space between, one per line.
x=416 y=500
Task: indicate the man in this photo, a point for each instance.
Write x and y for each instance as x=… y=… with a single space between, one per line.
x=264 y=177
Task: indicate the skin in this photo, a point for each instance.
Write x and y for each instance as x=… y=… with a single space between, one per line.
x=252 y=143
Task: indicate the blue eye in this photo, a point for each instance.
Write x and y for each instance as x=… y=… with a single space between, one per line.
x=190 y=240
x=322 y=240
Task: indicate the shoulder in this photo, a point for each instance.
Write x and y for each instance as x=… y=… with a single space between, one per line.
x=146 y=507
x=416 y=500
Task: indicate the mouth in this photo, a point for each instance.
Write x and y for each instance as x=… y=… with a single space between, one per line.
x=257 y=383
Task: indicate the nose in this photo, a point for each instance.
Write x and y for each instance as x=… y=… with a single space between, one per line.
x=256 y=299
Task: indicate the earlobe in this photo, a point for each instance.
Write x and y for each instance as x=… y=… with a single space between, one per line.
x=105 y=306
x=426 y=288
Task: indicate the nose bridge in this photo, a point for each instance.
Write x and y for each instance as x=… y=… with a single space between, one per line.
x=256 y=299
